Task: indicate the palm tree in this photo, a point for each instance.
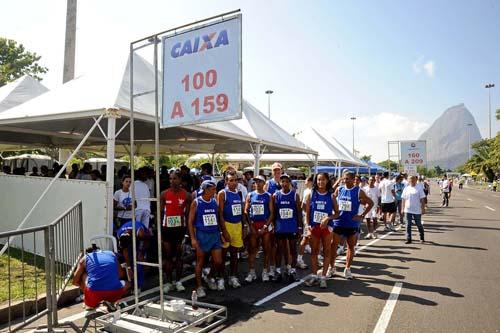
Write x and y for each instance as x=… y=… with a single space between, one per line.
x=498 y=114
x=483 y=159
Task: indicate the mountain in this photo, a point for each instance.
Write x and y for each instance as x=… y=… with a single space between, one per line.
x=447 y=138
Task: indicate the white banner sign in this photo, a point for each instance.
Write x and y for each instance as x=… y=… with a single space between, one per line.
x=202 y=75
x=410 y=170
x=413 y=153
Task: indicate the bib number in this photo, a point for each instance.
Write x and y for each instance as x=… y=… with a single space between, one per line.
x=345 y=205
x=172 y=221
x=209 y=220
x=258 y=209
x=236 y=210
x=286 y=213
x=318 y=216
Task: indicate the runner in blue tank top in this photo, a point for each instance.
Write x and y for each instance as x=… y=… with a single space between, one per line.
x=231 y=214
x=259 y=211
x=204 y=228
x=349 y=199
x=272 y=186
x=320 y=210
x=288 y=210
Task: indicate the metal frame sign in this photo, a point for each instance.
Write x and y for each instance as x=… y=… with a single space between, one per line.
x=413 y=154
x=202 y=74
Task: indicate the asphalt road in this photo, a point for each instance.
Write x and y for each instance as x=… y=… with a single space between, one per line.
x=449 y=284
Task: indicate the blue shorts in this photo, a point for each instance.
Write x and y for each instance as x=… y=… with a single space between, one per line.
x=208 y=241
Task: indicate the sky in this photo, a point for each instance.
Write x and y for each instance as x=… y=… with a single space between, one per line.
x=394 y=65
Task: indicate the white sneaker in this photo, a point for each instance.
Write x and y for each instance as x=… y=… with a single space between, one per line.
x=220 y=284
x=301 y=264
x=179 y=286
x=307 y=249
x=347 y=273
x=331 y=272
x=200 y=292
x=233 y=282
x=251 y=277
x=265 y=276
x=322 y=282
x=320 y=260
x=374 y=235
x=211 y=284
x=311 y=281
x=369 y=236
x=167 y=287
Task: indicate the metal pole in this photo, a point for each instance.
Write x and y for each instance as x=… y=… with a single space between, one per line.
x=257 y=160
x=110 y=166
x=63 y=168
x=269 y=92
x=53 y=289
x=315 y=164
x=389 y=156
x=157 y=180
x=48 y=279
x=353 y=151
x=489 y=110
x=70 y=41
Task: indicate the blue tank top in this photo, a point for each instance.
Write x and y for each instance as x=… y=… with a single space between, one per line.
x=348 y=201
x=259 y=206
x=272 y=186
x=233 y=206
x=321 y=206
x=286 y=212
x=206 y=215
x=102 y=271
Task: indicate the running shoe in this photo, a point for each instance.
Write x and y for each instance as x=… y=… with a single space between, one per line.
x=301 y=264
x=234 y=282
x=251 y=277
x=311 y=280
x=307 y=249
x=200 y=292
x=265 y=276
x=211 y=284
x=422 y=241
x=331 y=272
x=374 y=235
x=244 y=255
x=347 y=274
x=277 y=277
x=369 y=236
x=167 y=287
x=272 y=272
x=322 y=282
x=179 y=287
x=408 y=241
x=220 y=284
x=292 y=275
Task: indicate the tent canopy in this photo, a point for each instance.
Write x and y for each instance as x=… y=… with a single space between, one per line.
x=62 y=117
x=19 y=91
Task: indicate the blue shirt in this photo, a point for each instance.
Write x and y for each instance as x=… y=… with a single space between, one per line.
x=259 y=206
x=128 y=227
x=321 y=205
x=398 y=188
x=272 y=186
x=348 y=202
x=102 y=271
x=206 y=215
x=233 y=206
x=286 y=212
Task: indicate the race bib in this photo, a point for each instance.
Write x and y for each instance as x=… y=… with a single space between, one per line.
x=172 y=221
x=209 y=220
x=286 y=213
x=236 y=209
x=258 y=209
x=345 y=205
x=318 y=216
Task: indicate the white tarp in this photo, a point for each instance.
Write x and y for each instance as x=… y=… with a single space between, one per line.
x=19 y=91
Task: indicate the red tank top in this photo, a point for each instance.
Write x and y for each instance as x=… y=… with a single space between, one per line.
x=175 y=206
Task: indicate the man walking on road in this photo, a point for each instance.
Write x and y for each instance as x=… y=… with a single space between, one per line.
x=445 y=191
x=388 y=199
x=414 y=207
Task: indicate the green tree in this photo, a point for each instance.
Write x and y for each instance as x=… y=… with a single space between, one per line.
x=388 y=163
x=438 y=170
x=16 y=61
x=498 y=114
x=486 y=158
x=366 y=158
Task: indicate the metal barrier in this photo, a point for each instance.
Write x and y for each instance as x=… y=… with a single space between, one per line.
x=62 y=249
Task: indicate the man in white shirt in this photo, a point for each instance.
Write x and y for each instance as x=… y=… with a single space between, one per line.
x=373 y=192
x=414 y=207
x=142 y=195
x=444 y=185
x=388 y=201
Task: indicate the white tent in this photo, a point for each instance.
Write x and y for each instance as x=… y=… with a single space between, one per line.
x=19 y=91
x=347 y=152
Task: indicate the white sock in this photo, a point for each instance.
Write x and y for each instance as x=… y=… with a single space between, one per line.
x=299 y=257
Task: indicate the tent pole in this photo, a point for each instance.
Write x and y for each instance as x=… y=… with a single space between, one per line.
x=111 y=115
x=315 y=164
x=257 y=160
x=63 y=168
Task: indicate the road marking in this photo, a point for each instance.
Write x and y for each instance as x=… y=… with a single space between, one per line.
x=295 y=284
x=493 y=210
x=385 y=316
x=470 y=199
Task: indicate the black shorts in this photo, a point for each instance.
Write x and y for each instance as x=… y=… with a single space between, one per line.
x=173 y=236
x=286 y=235
x=345 y=231
x=389 y=207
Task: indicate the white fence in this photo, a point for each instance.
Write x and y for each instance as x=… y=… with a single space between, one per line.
x=19 y=193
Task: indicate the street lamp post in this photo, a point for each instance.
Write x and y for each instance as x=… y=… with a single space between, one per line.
x=269 y=92
x=468 y=137
x=489 y=86
x=353 y=151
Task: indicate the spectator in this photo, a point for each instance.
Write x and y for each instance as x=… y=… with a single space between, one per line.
x=6 y=169
x=95 y=175
x=34 y=172
x=142 y=195
x=44 y=170
x=249 y=180
x=74 y=171
x=84 y=173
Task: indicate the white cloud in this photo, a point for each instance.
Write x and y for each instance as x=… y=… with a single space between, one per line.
x=371 y=133
x=428 y=67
